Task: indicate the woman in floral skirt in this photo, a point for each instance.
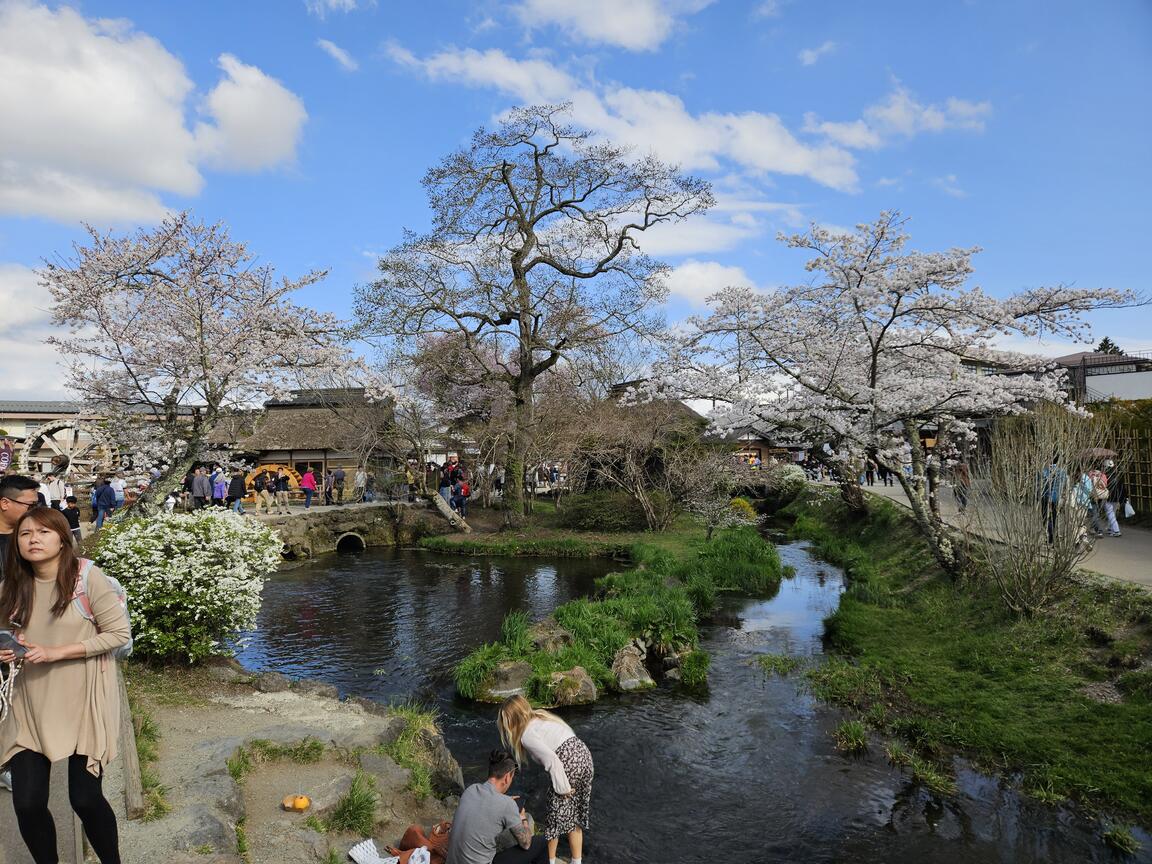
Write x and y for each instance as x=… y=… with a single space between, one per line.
x=568 y=762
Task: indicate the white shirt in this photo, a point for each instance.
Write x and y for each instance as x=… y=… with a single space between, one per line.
x=118 y=485
x=541 y=738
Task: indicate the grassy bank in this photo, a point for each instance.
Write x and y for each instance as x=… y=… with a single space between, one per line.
x=545 y=536
x=514 y=546
x=1064 y=698
x=673 y=582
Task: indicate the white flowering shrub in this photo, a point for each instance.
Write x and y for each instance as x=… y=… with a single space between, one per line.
x=784 y=482
x=193 y=579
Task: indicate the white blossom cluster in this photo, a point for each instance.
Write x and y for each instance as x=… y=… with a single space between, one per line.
x=193 y=580
x=879 y=343
x=881 y=348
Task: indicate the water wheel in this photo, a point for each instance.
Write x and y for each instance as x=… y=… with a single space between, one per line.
x=75 y=451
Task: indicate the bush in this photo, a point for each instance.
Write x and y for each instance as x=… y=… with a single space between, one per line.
x=193 y=580
x=784 y=482
x=602 y=511
x=743 y=508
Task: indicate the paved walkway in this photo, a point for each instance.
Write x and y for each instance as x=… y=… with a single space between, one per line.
x=1128 y=558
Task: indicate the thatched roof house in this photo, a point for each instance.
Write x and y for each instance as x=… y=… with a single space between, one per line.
x=320 y=429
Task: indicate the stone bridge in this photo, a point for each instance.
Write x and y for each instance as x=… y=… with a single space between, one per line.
x=354 y=527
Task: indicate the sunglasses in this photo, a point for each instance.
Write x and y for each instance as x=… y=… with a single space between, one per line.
x=31 y=505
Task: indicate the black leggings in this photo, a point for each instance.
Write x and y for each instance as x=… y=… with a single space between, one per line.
x=537 y=853
x=31 y=773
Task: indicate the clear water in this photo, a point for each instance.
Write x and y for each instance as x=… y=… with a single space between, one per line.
x=745 y=772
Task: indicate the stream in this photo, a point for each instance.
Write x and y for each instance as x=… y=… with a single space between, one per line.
x=743 y=773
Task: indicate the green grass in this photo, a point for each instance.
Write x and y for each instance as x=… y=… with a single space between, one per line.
x=779 y=664
x=241 y=839
x=409 y=750
x=924 y=772
x=674 y=581
x=512 y=546
x=168 y=686
x=851 y=737
x=694 y=669
x=260 y=751
x=1121 y=840
x=156 y=803
x=944 y=666
x=355 y=812
x=514 y=632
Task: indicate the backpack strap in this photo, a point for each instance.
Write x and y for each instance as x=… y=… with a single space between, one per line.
x=80 y=594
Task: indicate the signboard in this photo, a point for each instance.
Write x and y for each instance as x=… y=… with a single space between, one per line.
x=5 y=455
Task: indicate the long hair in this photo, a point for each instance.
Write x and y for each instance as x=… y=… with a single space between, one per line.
x=18 y=590
x=515 y=714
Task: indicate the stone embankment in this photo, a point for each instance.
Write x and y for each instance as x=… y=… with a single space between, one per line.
x=354 y=527
x=230 y=753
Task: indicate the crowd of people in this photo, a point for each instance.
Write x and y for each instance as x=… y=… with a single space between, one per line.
x=1095 y=497
x=272 y=489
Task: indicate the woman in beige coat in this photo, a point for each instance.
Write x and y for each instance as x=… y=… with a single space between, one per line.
x=65 y=702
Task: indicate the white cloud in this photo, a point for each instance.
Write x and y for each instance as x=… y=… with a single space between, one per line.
x=810 y=56
x=855 y=134
x=638 y=25
x=28 y=366
x=23 y=301
x=527 y=80
x=92 y=119
x=648 y=120
x=257 y=121
x=338 y=54
x=698 y=236
x=1058 y=348
x=90 y=110
x=901 y=115
x=696 y=281
x=32 y=190
x=321 y=8
x=768 y=8
x=949 y=184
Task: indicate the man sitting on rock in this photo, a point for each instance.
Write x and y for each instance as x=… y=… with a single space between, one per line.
x=486 y=812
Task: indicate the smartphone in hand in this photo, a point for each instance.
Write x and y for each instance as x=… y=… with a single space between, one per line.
x=8 y=643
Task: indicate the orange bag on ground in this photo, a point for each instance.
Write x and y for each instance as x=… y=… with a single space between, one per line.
x=436 y=841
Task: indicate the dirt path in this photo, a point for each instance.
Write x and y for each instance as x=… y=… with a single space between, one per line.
x=202 y=722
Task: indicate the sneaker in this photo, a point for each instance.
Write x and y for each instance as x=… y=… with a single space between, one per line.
x=1113 y=533
x=6 y=779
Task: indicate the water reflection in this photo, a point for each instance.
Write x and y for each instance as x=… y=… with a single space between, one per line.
x=744 y=772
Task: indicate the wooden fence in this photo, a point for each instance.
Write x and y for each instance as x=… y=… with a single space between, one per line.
x=1134 y=447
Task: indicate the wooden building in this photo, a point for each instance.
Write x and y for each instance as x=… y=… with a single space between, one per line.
x=322 y=430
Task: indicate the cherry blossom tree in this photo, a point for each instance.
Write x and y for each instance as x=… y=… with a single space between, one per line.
x=172 y=328
x=882 y=348
x=532 y=257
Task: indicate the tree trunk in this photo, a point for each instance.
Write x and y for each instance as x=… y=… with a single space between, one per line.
x=852 y=495
x=152 y=499
x=454 y=518
x=925 y=511
x=516 y=503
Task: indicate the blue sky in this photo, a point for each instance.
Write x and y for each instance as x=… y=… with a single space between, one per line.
x=1020 y=127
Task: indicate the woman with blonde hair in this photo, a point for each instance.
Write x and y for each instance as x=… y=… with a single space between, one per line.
x=65 y=699
x=568 y=762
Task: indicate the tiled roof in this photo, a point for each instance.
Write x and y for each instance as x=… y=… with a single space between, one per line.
x=31 y=406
